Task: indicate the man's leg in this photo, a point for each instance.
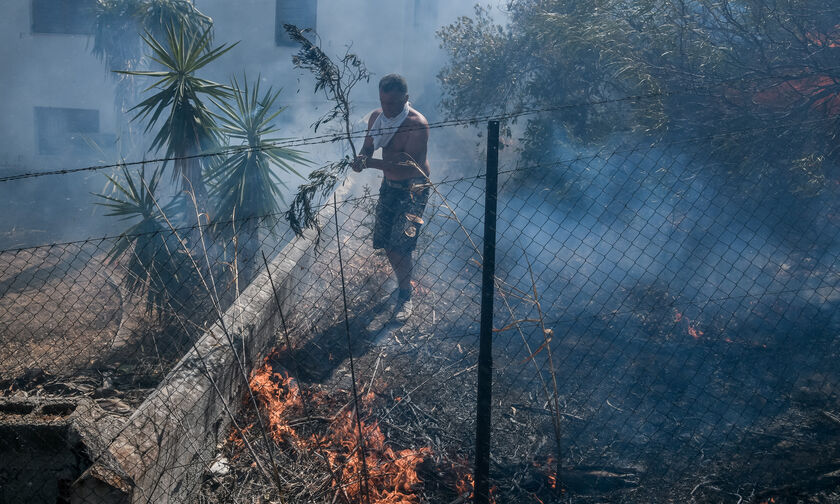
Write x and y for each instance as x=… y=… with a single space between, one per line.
x=401 y=263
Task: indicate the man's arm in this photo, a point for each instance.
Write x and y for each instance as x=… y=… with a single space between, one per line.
x=416 y=148
x=367 y=148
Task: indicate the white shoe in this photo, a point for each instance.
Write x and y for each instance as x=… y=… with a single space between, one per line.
x=404 y=310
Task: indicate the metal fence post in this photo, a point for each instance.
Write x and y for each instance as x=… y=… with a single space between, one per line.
x=485 y=351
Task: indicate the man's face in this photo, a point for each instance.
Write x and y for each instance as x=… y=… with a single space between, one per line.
x=392 y=103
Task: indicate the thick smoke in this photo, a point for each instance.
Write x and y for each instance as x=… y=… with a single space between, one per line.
x=59 y=70
x=672 y=289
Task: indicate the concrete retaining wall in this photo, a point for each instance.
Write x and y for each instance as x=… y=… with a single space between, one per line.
x=162 y=451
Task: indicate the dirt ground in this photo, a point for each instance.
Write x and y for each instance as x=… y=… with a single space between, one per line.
x=70 y=328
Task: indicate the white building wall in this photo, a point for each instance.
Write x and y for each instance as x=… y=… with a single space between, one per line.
x=384 y=33
x=58 y=70
x=44 y=70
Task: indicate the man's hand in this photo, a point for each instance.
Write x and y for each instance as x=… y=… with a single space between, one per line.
x=359 y=163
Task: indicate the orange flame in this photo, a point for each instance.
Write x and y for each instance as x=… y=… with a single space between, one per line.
x=420 y=289
x=237 y=440
x=465 y=485
x=552 y=474
x=692 y=330
x=392 y=475
x=819 y=88
x=280 y=399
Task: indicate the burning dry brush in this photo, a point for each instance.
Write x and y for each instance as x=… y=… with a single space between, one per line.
x=417 y=384
x=410 y=458
x=417 y=420
x=320 y=455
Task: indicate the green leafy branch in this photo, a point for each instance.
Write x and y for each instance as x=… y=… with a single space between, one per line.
x=336 y=81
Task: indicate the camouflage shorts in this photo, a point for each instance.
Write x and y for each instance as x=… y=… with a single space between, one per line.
x=399 y=214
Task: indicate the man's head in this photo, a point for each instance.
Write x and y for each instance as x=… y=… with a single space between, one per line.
x=393 y=94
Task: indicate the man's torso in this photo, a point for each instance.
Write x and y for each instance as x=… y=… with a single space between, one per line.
x=395 y=150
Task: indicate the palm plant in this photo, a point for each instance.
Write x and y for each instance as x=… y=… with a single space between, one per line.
x=188 y=129
x=119 y=23
x=157 y=15
x=117 y=44
x=152 y=250
x=117 y=41
x=245 y=187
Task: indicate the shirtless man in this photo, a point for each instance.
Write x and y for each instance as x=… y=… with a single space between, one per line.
x=403 y=134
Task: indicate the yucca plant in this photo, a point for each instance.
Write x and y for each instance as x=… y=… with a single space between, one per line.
x=188 y=129
x=116 y=38
x=117 y=42
x=118 y=25
x=245 y=186
x=150 y=249
x=157 y=15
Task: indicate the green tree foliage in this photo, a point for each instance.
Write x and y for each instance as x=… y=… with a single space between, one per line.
x=695 y=67
x=552 y=52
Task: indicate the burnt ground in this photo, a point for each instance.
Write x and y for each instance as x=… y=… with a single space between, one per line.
x=729 y=400
x=658 y=403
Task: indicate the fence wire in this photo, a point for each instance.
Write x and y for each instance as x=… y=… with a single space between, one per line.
x=666 y=330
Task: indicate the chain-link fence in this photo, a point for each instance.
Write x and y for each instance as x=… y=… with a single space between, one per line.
x=665 y=331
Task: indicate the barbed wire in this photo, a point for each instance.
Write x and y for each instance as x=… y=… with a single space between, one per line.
x=304 y=141
x=360 y=134
x=516 y=168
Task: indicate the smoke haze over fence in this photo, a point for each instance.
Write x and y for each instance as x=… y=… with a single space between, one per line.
x=667 y=277
x=58 y=71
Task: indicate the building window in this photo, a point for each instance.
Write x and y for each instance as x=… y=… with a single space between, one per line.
x=301 y=13
x=63 y=16
x=65 y=130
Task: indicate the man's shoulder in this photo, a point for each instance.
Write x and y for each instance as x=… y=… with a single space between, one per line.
x=415 y=118
x=373 y=116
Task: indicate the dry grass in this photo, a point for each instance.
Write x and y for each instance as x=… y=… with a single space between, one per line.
x=65 y=318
